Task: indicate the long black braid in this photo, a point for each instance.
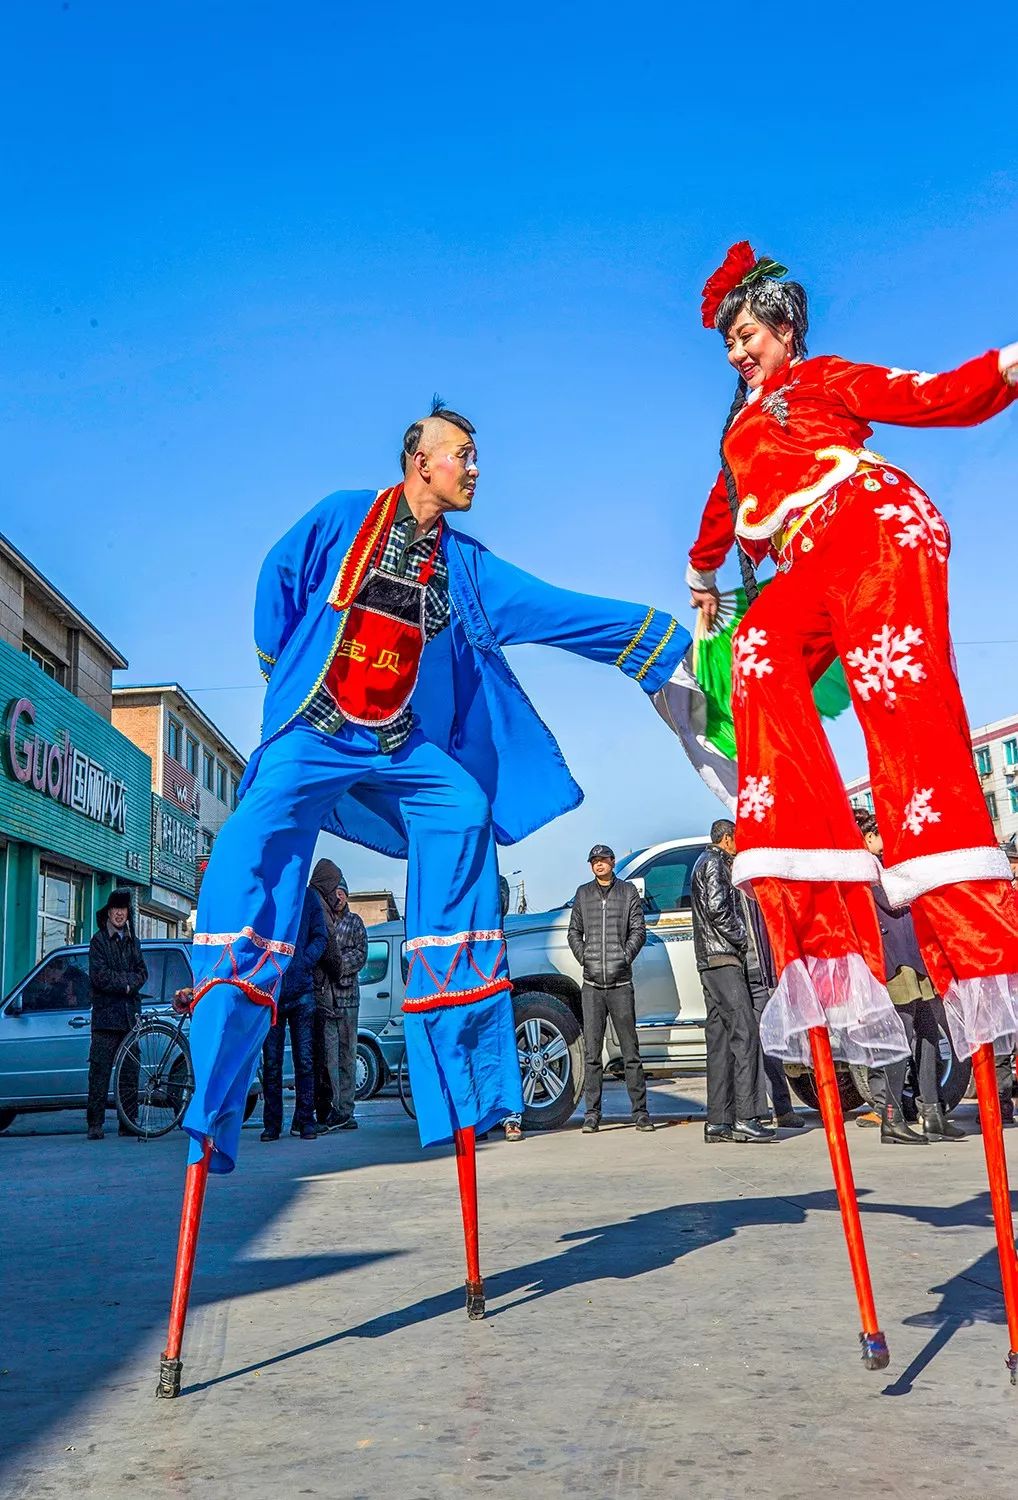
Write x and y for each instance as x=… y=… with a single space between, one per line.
x=746 y=568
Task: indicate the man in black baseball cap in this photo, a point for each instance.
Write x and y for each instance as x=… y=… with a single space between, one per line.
x=606 y=932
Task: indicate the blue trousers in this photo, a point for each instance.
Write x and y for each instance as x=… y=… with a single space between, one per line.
x=299 y=1015
x=459 y=1028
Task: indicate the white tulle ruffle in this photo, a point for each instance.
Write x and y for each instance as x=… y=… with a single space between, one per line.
x=841 y=994
x=982 y=1010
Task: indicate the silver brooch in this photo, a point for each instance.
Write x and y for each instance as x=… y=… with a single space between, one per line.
x=777 y=404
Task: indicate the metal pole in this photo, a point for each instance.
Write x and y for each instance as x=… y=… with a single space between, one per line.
x=195 y=1181
x=466 y=1168
x=875 y=1355
x=1000 y=1197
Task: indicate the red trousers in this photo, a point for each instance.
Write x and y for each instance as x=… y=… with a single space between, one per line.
x=866 y=580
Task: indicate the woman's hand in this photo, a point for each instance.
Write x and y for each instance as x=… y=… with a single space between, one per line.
x=707 y=601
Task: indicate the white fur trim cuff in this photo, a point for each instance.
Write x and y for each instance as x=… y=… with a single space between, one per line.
x=914 y=877
x=1007 y=363
x=700 y=580
x=857 y=866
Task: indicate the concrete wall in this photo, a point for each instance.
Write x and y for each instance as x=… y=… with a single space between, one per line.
x=91 y=677
x=12 y=604
x=44 y=627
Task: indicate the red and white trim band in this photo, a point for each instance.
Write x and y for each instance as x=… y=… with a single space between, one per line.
x=224 y=939
x=856 y=866
x=453 y=941
x=914 y=877
x=446 y=998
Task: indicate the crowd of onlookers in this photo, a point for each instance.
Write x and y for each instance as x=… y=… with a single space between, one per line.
x=748 y=1098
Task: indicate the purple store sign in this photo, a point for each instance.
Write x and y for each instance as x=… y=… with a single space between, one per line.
x=58 y=770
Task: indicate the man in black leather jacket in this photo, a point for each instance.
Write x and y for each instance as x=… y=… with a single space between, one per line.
x=736 y=1090
x=606 y=931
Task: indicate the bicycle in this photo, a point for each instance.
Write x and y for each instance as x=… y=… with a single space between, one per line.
x=403 y=1087
x=153 y=1079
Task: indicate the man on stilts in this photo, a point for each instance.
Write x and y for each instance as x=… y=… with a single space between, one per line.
x=861 y=557
x=346 y=603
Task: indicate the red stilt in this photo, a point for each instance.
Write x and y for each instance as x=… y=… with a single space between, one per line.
x=466 y=1168
x=875 y=1355
x=195 y=1180
x=1000 y=1197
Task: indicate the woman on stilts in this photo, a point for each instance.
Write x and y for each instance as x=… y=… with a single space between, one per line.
x=861 y=556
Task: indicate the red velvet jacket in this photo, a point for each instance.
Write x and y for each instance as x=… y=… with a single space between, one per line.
x=805 y=430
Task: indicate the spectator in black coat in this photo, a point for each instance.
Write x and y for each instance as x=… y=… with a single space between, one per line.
x=607 y=929
x=297 y=1008
x=337 y=1000
x=117 y=973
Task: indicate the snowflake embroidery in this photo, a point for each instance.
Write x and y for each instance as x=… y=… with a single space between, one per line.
x=755 y=798
x=886 y=662
x=919 y=812
x=920 y=522
x=777 y=402
x=746 y=662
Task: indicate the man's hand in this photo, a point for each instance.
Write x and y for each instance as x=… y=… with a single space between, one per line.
x=707 y=601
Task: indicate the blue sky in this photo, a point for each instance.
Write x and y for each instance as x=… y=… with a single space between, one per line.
x=244 y=243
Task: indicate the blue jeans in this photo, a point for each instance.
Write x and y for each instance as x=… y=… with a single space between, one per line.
x=301 y=1017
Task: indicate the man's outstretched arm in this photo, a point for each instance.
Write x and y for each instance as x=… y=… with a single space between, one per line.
x=645 y=643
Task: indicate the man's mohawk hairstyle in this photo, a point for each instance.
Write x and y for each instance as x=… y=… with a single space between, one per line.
x=413 y=434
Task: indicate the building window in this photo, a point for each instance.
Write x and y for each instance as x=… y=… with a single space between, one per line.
x=60 y=905
x=174 y=740
x=983 y=765
x=1011 y=752
x=1012 y=792
x=191 y=755
x=221 y=783
x=206 y=841
x=44 y=659
x=208 y=771
x=155 y=927
x=233 y=791
x=991 y=804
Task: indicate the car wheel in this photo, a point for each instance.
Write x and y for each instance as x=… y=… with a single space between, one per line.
x=955 y=1076
x=251 y=1104
x=369 y=1071
x=803 y=1084
x=7 y=1117
x=550 y=1045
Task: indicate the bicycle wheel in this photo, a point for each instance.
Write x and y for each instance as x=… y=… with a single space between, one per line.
x=406 y=1097
x=155 y=1054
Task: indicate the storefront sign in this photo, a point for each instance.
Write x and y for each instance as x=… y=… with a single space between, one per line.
x=59 y=770
x=174 y=847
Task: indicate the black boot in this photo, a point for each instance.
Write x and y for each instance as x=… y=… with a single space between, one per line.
x=893 y=1129
x=937 y=1126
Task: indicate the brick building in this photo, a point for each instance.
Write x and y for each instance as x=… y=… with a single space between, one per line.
x=75 y=808
x=195 y=775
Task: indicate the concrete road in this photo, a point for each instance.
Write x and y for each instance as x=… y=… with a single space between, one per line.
x=665 y=1320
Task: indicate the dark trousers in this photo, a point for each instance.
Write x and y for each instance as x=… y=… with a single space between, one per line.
x=924 y=1041
x=335 y=1062
x=774 y=1068
x=100 y=1067
x=735 y=1071
x=619 y=1003
x=300 y=1018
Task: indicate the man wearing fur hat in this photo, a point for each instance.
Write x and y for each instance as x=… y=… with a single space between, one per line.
x=337 y=999
x=117 y=972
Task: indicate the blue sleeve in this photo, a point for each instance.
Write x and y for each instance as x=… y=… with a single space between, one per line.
x=645 y=643
x=292 y=569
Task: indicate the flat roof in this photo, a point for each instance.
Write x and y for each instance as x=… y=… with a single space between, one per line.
x=59 y=602
x=174 y=690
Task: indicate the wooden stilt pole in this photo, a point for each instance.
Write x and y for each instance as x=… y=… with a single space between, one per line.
x=1000 y=1196
x=195 y=1181
x=466 y=1168
x=875 y=1355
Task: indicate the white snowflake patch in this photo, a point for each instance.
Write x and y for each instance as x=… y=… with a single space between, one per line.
x=920 y=523
x=755 y=798
x=883 y=665
x=919 y=812
x=746 y=661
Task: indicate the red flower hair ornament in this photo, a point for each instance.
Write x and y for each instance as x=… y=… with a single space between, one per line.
x=740 y=267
